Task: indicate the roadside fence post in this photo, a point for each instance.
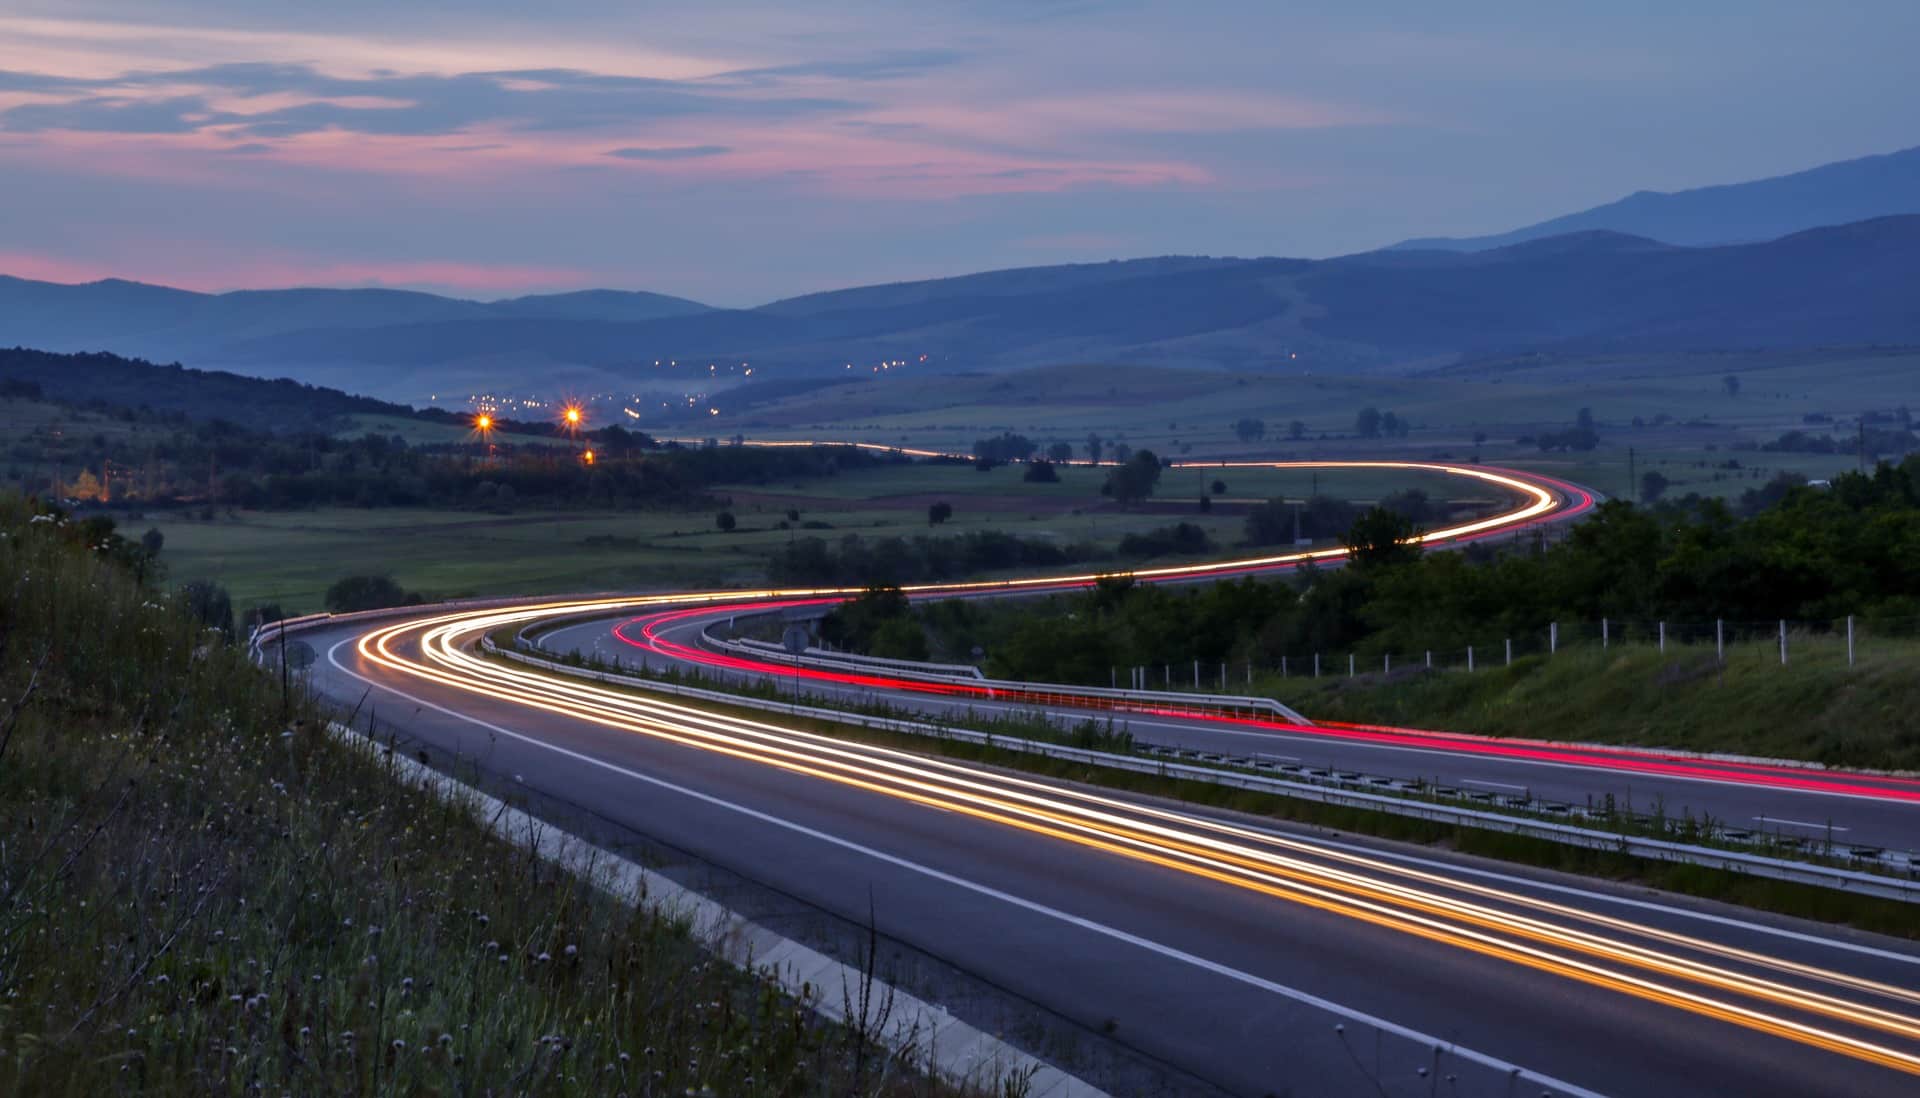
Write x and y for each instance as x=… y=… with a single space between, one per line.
x=1849 y=640
x=1316 y=665
x=1196 y=674
x=1429 y=659
x=1553 y=637
x=1283 y=667
x=1720 y=638
x=1115 y=673
x=1386 y=663
x=1783 y=642
x=1469 y=657
x=1509 y=651
x=1223 y=676
x=1604 y=639
x=1350 y=671
x=1663 y=636
x=1249 y=672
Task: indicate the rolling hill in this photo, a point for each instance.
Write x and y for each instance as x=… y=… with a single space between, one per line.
x=1577 y=292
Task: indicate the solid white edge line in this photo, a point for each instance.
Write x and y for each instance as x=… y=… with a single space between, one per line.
x=1081 y=922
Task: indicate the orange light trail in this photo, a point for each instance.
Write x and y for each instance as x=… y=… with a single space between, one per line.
x=1816 y=1006
x=1604 y=951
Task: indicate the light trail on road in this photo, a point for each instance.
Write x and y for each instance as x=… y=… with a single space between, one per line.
x=1866 y=1019
x=1542 y=499
x=1847 y=998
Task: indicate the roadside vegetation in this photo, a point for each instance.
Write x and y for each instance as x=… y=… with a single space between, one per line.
x=203 y=892
x=1815 y=708
x=1608 y=590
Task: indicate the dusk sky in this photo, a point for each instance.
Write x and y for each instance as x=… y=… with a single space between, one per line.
x=739 y=152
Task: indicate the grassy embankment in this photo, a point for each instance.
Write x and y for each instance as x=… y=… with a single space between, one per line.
x=193 y=900
x=1815 y=708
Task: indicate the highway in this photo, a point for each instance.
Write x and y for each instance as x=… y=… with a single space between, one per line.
x=1237 y=956
x=1818 y=806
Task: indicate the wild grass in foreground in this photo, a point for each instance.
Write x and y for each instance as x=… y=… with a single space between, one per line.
x=201 y=893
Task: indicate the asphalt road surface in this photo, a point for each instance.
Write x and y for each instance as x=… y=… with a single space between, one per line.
x=1249 y=957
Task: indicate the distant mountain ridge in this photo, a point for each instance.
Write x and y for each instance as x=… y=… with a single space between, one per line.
x=1734 y=213
x=1588 y=291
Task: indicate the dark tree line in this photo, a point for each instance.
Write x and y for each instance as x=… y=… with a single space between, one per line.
x=1805 y=554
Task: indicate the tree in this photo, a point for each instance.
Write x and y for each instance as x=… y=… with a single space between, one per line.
x=1732 y=382
x=1094 y=445
x=1060 y=452
x=367 y=593
x=1219 y=487
x=938 y=513
x=899 y=638
x=1121 y=452
x=210 y=605
x=1653 y=485
x=1380 y=538
x=1249 y=429
x=1584 y=420
x=1004 y=447
x=1297 y=430
x=1367 y=423
x=1134 y=480
x=151 y=541
x=1040 y=471
x=725 y=521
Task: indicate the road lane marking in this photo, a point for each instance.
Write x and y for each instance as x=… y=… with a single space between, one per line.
x=1802 y=823
x=1081 y=922
x=1664 y=909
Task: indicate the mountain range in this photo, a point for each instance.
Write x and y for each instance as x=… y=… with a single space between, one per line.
x=1735 y=213
x=1589 y=289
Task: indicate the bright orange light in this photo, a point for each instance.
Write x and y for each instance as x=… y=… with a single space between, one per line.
x=587 y=457
x=483 y=422
x=573 y=415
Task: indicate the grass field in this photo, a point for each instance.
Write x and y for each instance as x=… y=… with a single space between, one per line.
x=289 y=558
x=1189 y=414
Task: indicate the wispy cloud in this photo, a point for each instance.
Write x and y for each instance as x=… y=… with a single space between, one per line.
x=670 y=152
x=187 y=101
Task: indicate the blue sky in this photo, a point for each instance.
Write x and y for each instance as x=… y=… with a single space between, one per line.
x=740 y=152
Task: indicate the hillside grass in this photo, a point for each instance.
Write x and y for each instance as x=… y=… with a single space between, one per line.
x=201 y=892
x=1814 y=709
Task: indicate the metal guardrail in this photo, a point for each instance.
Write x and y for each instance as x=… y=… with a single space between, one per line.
x=855 y=659
x=1759 y=865
x=1156 y=702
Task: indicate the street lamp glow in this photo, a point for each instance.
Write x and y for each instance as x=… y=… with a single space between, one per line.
x=483 y=422
x=573 y=415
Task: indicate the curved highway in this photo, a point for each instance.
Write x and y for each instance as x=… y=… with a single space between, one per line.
x=1241 y=957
